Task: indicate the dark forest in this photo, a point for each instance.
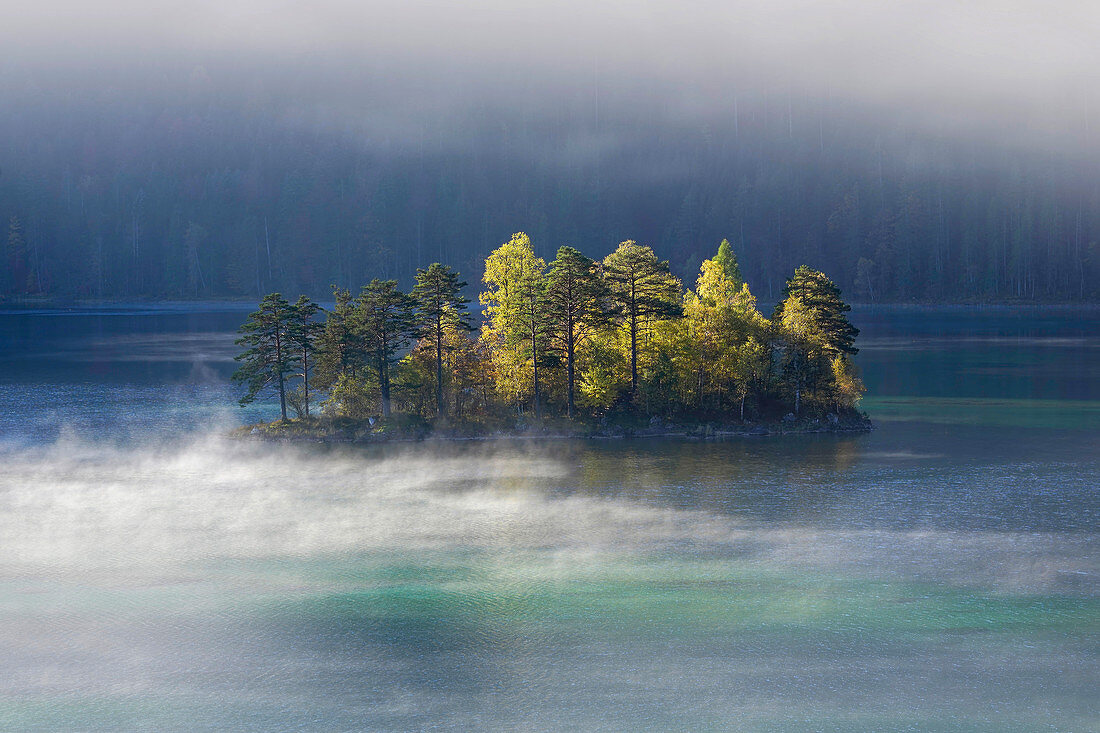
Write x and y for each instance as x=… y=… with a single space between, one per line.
x=207 y=194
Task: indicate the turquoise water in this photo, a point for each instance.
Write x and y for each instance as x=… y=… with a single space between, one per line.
x=939 y=574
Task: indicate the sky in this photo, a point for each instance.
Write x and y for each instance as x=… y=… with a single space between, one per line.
x=1017 y=72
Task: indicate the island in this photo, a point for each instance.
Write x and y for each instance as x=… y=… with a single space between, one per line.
x=574 y=348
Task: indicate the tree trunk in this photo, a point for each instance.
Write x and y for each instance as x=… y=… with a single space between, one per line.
x=441 y=409
x=569 y=356
x=282 y=398
x=279 y=366
x=535 y=365
x=384 y=385
x=305 y=378
x=633 y=353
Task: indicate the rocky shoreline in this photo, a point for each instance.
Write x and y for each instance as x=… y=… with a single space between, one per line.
x=363 y=432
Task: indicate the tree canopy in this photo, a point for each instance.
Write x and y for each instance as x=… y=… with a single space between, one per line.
x=643 y=291
x=440 y=307
x=578 y=338
x=270 y=355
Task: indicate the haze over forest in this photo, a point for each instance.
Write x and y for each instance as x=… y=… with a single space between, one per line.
x=911 y=150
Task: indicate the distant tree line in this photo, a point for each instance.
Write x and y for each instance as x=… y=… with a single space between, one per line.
x=574 y=337
x=196 y=197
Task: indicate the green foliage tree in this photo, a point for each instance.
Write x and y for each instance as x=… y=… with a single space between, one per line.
x=340 y=344
x=386 y=321
x=270 y=354
x=643 y=290
x=580 y=327
x=821 y=297
x=802 y=347
x=440 y=307
x=577 y=302
x=727 y=260
x=302 y=336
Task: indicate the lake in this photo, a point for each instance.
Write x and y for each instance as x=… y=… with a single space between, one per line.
x=941 y=573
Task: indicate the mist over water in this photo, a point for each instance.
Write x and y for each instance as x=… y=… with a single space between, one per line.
x=157 y=509
x=941 y=573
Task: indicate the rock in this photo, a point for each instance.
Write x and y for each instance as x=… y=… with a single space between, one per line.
x=833 y=419
x=789 y=417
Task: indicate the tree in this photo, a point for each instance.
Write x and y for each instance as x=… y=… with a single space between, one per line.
x=753 y=359
x=302 y=336
x=340 y=345
x=802 y=344
x=847 y=386
x=727 y=260
x=821 y=297
x=577 y=306
x=515 y=323
x=270 y=356
x=440 y=307
x=721 y=315
x=642 y=290
x=386 y=322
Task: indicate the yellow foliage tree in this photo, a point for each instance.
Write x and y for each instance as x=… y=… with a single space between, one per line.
x=514 y=327
x=721 y=316
x=847 y=386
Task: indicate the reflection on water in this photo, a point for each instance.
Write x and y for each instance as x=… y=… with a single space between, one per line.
x=940 y=573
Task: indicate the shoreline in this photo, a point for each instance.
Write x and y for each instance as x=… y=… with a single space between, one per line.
x=363 y=434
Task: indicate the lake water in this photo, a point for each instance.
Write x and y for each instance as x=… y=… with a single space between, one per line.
x=941 y=573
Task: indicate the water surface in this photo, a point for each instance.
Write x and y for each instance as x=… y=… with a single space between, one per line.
x=939 y=574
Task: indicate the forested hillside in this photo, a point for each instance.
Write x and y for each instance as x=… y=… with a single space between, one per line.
x=205 y=195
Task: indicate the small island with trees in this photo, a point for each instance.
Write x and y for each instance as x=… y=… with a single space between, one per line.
x=576 y=347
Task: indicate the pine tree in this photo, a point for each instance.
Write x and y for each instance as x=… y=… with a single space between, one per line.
x=821 y=297
x=303 y=335
x=385 y=319
x=340 y=345
x=577 y=305
x=440 y=307
x=270 y=355
x=642 y=290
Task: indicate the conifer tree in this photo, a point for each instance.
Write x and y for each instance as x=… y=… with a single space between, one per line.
x=270 y=355
x=642 y=290
x=440 y=307
x=577 y=305
x=821 y=297
x=340 y=345
x=727 y=260
x=385 y=319
x=303 y=334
